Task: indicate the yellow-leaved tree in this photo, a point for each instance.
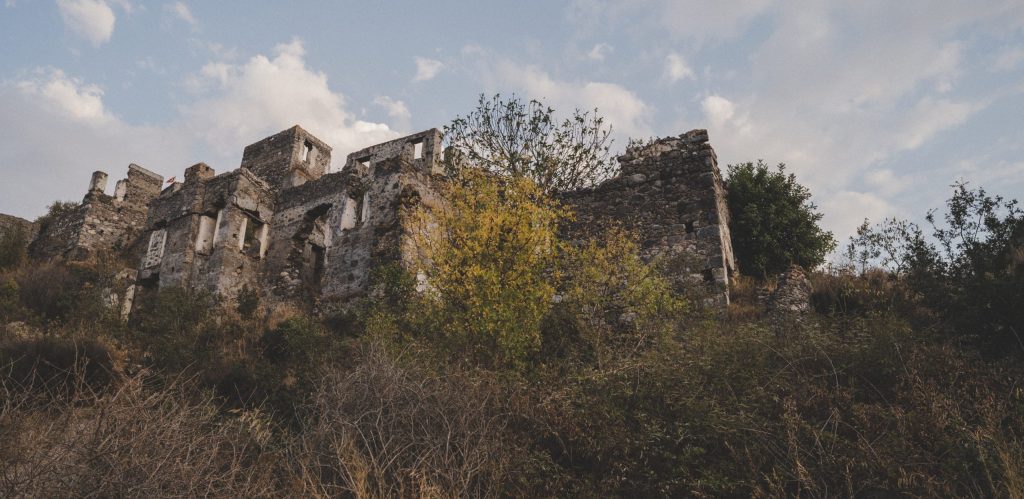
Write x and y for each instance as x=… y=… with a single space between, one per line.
x=488 y=258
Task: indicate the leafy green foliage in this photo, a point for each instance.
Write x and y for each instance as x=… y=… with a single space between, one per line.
x=520 y=139
x=773 y=224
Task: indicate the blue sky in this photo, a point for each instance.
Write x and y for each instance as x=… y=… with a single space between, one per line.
x=877 y=106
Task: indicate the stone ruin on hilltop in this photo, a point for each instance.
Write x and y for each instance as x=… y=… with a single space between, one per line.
x=284 y=227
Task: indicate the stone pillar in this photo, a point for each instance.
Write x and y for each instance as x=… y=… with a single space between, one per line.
x=98 y=183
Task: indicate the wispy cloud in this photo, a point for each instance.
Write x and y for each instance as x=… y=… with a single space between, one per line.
x=676 y=68
x=181 y=11
x=427 y=69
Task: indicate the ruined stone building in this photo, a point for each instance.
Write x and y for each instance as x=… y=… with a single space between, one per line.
x=280 y=225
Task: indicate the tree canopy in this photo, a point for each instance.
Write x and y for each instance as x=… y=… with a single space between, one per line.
x=525 y=139
x=774 y=223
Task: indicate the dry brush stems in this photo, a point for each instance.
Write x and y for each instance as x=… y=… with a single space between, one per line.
x=131 y=441
x=387 y=430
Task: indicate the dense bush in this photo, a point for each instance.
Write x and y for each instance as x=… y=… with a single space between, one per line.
x=773 y=222
x=488 y=255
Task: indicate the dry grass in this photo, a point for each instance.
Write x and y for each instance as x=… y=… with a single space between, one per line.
x=132 y=441
x=388 y=430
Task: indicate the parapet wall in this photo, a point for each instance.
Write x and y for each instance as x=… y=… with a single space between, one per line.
x=670 y=194
x=101 y=223
x=423 y=150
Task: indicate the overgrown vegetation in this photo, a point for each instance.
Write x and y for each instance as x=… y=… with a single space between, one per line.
x=518 y=364
x=12 y=248
x=969 y=270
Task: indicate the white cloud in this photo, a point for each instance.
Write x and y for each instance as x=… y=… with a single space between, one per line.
x=67 y=97
x=845 y=210
x=628 y=114
x=722 y=116
x=676 y=68
x=887 y=181
x=240 y=102
x=599 y=52
x=929 y=117
x=181 y=11
x=397 y=111
x=64 y=131
x=427 y=69
x=91 y=19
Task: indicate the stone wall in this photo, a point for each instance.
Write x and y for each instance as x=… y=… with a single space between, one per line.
x=670 y=194
x=288 y=158
x=294 y=242
x=424 y=150
x=284 y=227
x=101 y=223
x=209 y=232
x=10 y=225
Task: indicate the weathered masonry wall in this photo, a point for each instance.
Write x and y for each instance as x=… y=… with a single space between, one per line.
x=209 y=232
x=280 y=226
x=101 y=223
x=329 y=234
x=10 y=225
x=287 y=159
x=670 y=193
x=422 y=150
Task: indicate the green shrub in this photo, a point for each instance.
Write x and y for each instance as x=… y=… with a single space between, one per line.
x=774 y=224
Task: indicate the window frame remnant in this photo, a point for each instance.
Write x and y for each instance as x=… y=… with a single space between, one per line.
x=155 y=248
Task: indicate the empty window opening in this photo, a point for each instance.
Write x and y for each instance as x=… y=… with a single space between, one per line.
x=364 y=161
x=252 y=236
x=307 y=152
x=364 y=213
x=417 y=150
x=319 y=262
x=241 y=234
x=689 y=227
x=310 y=245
